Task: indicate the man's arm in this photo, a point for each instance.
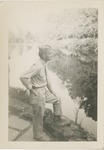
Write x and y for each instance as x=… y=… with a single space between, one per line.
x=25 y=78
x=48 y=82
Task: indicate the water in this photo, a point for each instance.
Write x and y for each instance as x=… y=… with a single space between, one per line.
x=69 y=107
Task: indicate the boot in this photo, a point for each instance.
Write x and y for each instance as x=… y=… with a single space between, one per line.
x=61 y=121
x=58 y=118
x=57 y=108
x=43 y=137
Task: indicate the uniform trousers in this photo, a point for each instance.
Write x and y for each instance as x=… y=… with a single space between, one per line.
x=38 y=98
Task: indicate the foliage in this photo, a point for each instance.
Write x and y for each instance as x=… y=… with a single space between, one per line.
x=19 y=94
x=79 y=65
x=75 y=23
x=80 y=78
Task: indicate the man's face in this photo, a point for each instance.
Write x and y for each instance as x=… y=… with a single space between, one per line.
x=48 y=56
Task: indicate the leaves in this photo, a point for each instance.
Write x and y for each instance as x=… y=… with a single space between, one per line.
x=76 y=61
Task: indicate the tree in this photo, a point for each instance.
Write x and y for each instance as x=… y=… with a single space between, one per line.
x=81 y=79
x=79 y=65
x=29 y=38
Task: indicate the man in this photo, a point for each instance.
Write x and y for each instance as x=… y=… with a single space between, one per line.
x=37 y=81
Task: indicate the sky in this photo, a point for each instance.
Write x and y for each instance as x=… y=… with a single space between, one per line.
x=34 y=16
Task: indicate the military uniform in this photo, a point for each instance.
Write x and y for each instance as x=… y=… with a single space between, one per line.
x=35 y=80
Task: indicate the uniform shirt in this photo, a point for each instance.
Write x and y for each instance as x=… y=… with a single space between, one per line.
x=35 y=76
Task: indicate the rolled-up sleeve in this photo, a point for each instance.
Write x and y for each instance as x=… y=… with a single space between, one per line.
x=25 y=78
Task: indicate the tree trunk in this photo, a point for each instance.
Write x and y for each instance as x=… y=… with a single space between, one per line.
x=76 y=115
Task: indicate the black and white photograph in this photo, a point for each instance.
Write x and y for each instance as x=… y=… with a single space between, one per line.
x=52 y=72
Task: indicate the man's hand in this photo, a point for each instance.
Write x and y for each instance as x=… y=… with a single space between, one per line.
x=54 y=94
x=28 y=92
x=33 y=91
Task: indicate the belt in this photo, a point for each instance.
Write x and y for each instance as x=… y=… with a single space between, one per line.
x=37 y=87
